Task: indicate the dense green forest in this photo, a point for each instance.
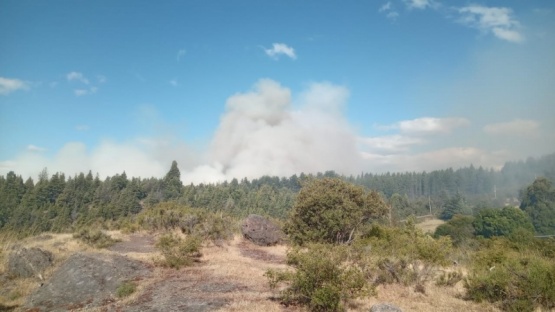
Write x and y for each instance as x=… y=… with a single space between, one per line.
x=59 y=203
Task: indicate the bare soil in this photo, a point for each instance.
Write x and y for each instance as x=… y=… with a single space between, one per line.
x=135 y=243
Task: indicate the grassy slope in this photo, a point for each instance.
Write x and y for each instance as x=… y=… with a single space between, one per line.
x=244 y=263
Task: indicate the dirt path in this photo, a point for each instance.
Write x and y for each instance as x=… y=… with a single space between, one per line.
x=229 y=278
x=136 y=243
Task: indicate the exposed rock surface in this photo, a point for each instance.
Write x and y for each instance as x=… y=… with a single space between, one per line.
x=186 y=290
x=260 y=230
x=384 y=307
x=28 y=262
x=85 y=280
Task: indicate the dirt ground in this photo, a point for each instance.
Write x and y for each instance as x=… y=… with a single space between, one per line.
x=228 y=278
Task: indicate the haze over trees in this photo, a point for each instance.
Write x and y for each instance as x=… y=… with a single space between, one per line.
x=55 y=202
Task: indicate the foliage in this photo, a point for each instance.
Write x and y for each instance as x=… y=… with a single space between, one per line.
x=330 y=210
x=126 y=289
x=324 y=280
x=518 y=276
x=455 y=205
x=403 y=255
x=178 y=252
x=449 y=278
x=501 y=222
x=538 y=201
x=215 y=227
x=459 y=228
x=95 y=238
x=59 y=203
x=171 y=184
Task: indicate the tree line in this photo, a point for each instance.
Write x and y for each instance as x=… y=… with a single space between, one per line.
x=59 y=203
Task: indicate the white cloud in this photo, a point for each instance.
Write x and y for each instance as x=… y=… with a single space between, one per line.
x=517 y=127
x=181 y=54
x=174 y=82
x=389 y=144
x=507 y=34
x=392 y=15
x=427 y=125
x=8 y=85
x=389 y=11
x=497 y=20
x=34 y=148
x=418 y=4
x=77 y=76
x=281 y=49
x=385 y=7
x=81 y=92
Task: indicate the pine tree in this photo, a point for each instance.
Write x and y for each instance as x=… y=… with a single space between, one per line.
x=172 y=187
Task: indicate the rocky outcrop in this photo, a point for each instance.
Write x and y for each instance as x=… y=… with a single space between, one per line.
x=85 y=280
x=28 y=262
x=261 y=231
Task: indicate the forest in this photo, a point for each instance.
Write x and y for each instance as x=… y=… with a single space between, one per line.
x=54 y=202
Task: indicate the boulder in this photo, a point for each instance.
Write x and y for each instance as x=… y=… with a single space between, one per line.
x=84 y=281
x=384 y=307
x=260 y=230
x=28 y=262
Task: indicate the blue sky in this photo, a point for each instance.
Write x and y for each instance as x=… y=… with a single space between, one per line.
x=245 y=88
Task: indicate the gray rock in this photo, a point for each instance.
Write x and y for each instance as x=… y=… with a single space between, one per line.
x=384 y=307
x=261 y=231
x=28 y=262
x=85 y=280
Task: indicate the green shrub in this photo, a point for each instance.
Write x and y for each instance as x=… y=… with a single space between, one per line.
x=215 y=227
x=331 y=211
x=459 y=228
x=501 y=222
x=95 y=238
x=324 y=279
x=519 y=278
x=178 y=252
x=403 y=255
x=126 y=289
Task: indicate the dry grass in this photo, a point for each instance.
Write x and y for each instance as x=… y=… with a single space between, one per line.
x=440 y=299
x=232 y=263
x=429 y=226
x=14 y=291
x=228 y=264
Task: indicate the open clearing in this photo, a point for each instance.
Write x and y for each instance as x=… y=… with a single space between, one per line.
x=227 y=278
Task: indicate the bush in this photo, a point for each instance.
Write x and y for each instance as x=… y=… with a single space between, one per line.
x=126 y=289
x=403 y=255
x=324 y=279
x=459 y=228
x=95 y=238
x=330 y=211
x=179 y=252
x=215 y=227
x=449 y=278
x=501 y=222
x=516 y=276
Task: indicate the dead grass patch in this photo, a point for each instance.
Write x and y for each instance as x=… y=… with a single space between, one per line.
x=429 y=226
x=14 y=291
